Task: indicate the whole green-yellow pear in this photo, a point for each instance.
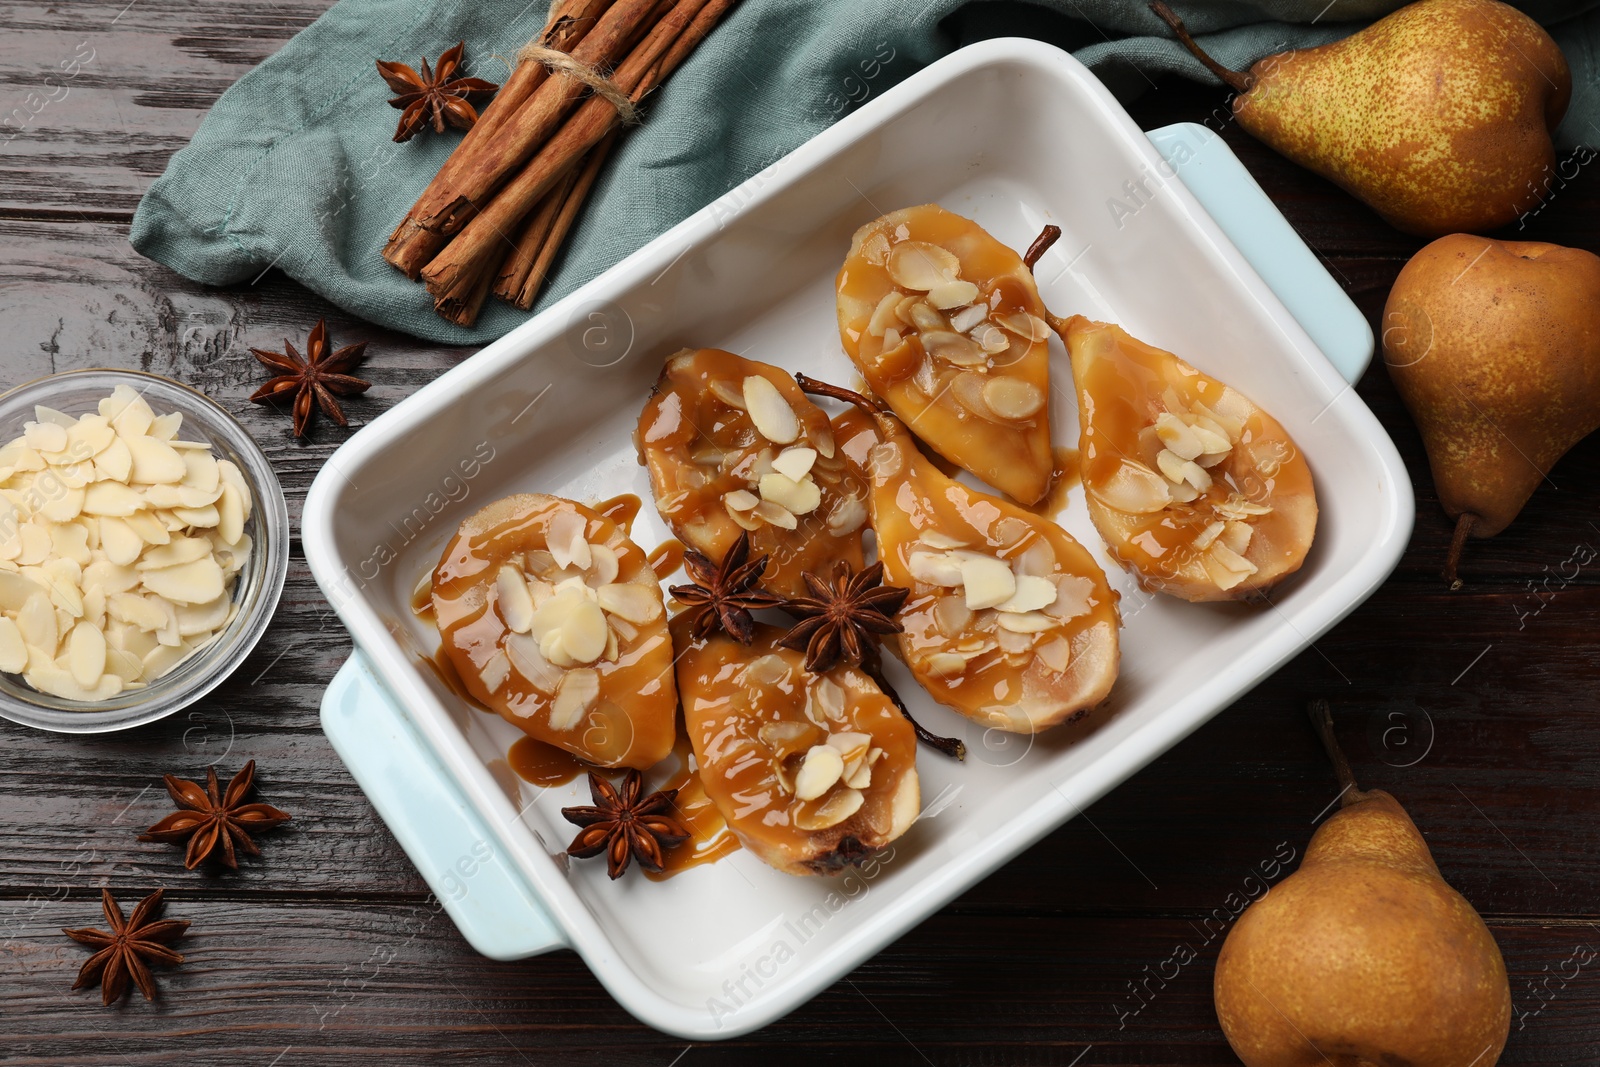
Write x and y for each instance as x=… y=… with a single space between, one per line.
x=1495 y=348
x=1364 y=957
x=1438 y=116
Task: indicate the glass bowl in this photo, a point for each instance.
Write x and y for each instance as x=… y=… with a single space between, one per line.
x=256 y=589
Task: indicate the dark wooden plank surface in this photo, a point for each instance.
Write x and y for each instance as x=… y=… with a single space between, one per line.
x=328 y=950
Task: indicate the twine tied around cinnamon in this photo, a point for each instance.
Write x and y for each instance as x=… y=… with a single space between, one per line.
x=559 y=62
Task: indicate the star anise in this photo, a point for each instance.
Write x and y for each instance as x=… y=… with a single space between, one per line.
x=625 y=827
x=317 y=377
x=437 y=95
x=126 y=946
x=725 y=594
x=843 y=619
x=214 y=822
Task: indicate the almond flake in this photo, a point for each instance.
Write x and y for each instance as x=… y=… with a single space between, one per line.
x=1012 y=398
x=798 y=498
x=514 y=599
x=776 y=514
x=934 y=568
x=86 y=653
x=154 y=462
x=794 y=463
x=13 y=653
x=987 y=581
x=921 y=266
x=883 y=317
x=575 y=695
x=968 y=317
x=633 y=602
x=952 y=294
x=953 y=348
x=1032 y=593
x=1055 y=654
x=1029 y=622
x=835 y=810
x=774 y=419
x=565 y=539
x=189 y=583
x=823 y=767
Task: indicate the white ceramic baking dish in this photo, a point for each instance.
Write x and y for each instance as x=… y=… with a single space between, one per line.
x=1015 y=134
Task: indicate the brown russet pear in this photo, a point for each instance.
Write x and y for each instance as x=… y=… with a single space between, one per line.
x=1495 y=348
x=1363 y=956
x=1438 y=116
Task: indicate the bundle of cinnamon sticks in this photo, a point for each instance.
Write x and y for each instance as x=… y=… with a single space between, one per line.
x=495 y=215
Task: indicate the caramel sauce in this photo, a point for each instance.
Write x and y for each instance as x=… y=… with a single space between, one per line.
x=422 y=601
x=710 y=836
x=629 y=722
x=621 y=509
x=1064 y=474
x=944 y=401
x=666 y=558
x=698 y=447
x=1132 y=383
x=543 y=764
x=740 y=702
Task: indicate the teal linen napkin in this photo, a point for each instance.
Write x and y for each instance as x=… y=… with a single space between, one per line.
x=294 y=167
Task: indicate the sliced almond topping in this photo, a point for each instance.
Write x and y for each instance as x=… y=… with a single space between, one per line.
x=774 y=419
x=921 y=266
x=861 y=778
x=953 y=348
x=945 y=664
x=776 y=514
x=883 y=316
x=987 y=581
x=835 y=810
x=1055 y=654
x=926 y=319
x=743 y=517
x=514 y=599
x=565 y=539
x=765 y=671
x=847 y=515
x=583 y=637
x=1204 y=538
x=1012 y=398
x=496 y=671
x=638 y=604
x=523 y=652
x=1025 y=325
x=795 y=463
x=990 y=338
x=603 y=566
x=1178 y=470
x=1179 y=438
x=968 y=317
x=952 y=294
x=798 y=498
x=1236 y=536
x=1231 y=559
x=1134 y=488
x=1029 y=622
x=951 y=615
x=823 y=767
x=576 y=694
x=45 y=436
x=828 y=696
x=1032 y=593
x=727 y=392
x=935 y=568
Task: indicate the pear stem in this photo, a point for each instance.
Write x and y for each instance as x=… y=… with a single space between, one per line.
x=953 y=747
x=815 y=387
x=1458 y=541
x=1235 y=80
x=1322 y=721
x=1041 y=244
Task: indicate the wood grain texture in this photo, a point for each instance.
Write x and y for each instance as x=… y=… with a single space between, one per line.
x=1477 y=709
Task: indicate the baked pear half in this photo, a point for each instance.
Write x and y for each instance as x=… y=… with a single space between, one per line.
x=1010 y=620
x=1198 y=491
x=553 y=618
x=733 y=445
x=813 y=772
x=945 y=323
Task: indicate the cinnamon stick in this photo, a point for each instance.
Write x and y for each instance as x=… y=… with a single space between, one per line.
x=447 y=204
x=518 y=267
x=458 y=277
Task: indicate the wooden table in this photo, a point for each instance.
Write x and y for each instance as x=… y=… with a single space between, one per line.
x=1478 y=709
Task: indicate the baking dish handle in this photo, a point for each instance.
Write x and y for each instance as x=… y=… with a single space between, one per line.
x=490 y=903
x=1210 y=170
